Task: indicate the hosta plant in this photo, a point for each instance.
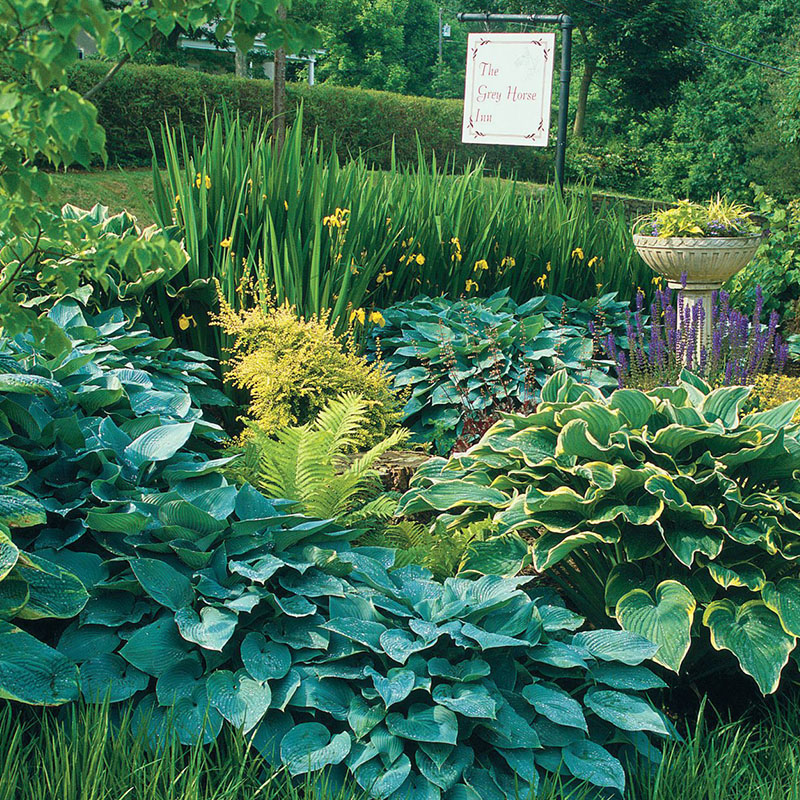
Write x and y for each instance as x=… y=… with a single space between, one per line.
x=136 y=572
x=463 y=362
x=669 y=511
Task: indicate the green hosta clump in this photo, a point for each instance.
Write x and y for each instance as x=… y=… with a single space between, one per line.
x=464 y=361
x=132 y=571
x=668 y=510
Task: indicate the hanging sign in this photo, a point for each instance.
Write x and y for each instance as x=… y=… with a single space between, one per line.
x=508 y=88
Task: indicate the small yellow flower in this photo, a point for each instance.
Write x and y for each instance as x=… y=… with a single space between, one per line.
x=198 y=180
x=592 y=261
x=184 y=322
x=286 y=205
x=508 y=261
x=382 y=276
x=578 y=253
x=376 y=318
x=542 y=280
x=208 y=182
x=177 y=199
x=263 y=197
x=470 y=285
x=388 y=222
x=481 y=265
x=357 y=315
x=225 y=243
x=548 y=266
x=420 y=259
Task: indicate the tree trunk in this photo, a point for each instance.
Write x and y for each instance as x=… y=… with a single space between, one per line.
x=240 y=63
x=589 y=69
x=279 y=92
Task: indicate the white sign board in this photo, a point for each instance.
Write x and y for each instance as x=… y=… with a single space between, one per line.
x=508 y=88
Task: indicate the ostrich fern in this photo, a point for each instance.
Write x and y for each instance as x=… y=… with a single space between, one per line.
x=309 y=464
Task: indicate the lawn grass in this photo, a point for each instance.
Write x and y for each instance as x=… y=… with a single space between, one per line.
x=121 y=190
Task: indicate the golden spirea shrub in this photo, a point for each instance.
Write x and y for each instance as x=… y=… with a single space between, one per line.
x=772 y=390
x=292 y=367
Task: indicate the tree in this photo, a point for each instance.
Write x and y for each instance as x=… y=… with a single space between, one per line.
x=639 y=48
x=44 y=123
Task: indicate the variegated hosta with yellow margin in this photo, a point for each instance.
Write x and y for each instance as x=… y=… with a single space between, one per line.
x=669 y=510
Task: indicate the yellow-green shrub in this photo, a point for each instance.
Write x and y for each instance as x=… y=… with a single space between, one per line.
x=293 y=366
x=770 y=391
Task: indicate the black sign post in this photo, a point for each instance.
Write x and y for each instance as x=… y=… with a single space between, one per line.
x=566 y=25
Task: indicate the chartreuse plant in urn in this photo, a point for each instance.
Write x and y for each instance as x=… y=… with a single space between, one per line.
x=670 y=511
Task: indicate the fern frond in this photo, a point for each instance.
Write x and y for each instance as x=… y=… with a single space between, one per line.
x=340 y=421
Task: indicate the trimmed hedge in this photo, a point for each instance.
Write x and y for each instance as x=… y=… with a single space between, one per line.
x=138 y=97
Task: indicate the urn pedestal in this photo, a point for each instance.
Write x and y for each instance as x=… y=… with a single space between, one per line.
x=703 y=263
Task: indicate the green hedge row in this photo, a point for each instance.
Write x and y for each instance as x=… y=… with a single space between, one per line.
x=138 y=97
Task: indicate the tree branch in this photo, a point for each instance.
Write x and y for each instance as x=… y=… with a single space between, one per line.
x=106 y=78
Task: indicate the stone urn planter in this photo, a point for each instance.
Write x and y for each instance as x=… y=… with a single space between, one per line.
x=705 y=262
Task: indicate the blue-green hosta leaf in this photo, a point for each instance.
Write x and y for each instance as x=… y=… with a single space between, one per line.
x=240 y=699
x=53 y=591
x=607 y=645
x=753 y=633
x=590 y=762
x=110 y=678
x=462 y=671
x=163 y=583
x=621 y=676
x=362 y=718
x=556 y=705
x=81 y=642
x=159 y=444
x=265 y=660
x=468 y=700
x=266 y=738
x=489 y=641
x=359 y=630
x=395 y=686
x=776 y=418
x=117 y=521
x=448 y=773
x=400 y=645
x=194 y=719
x=309 y=747
x=20 y=510
x=31 y=672
x=212 y=629
x=625 y=711
x=13 y=468
x=380 y=781
x=509 y=730
x=14 y=594
x=666 y=620
x=156 y=647
x=425 y=724
x=329 y=695
x=687 y=539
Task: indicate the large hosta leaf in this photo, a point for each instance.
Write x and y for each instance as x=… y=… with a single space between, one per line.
x=12 y=466
x=53 y=590
x=309 y=747
x=506 y=554
x=8 y=555
x=265 y=660
x=665 y=620
x=624 y=646
x=159 y=444
x=163 y=583
x=212 y=629
x=625 y=711
x=784 y=600
x=425 y=724
x=753 y=633
x=240 y=699
x=588 y=761
x=31 y=672
x=20 y=510
x=109 y=677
